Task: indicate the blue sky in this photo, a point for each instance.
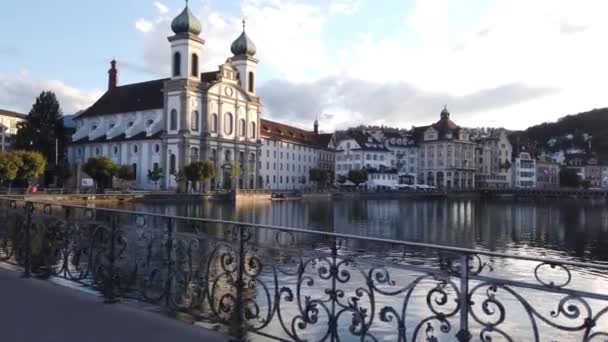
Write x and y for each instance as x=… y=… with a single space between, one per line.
x=507 y=63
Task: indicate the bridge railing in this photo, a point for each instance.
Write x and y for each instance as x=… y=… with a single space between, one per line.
x=292 y=284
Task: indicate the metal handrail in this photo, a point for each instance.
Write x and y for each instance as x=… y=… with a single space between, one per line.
x=461 y=250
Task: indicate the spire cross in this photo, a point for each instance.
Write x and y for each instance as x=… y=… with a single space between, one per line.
x=243 y=24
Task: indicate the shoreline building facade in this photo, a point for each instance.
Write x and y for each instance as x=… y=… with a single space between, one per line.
x=170 y=122
x=288 y=154
x=446 y=155
x=8 y=127
x=493 y=161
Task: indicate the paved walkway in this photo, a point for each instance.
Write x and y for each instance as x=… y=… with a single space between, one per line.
x=40 y=311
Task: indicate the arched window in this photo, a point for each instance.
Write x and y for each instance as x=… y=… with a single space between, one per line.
x=242 y=127
x=213 y=123
x=253 y=130
x=251 y=81
x=156 y=148
x=134 y=166
x=228 y=123
x=173 y=120
x=177 y=64
x=172 y=164
x=194 y=65
x=194 y=154
x=195 y=121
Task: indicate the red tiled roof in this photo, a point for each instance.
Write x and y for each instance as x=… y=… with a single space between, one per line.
x=278 y=131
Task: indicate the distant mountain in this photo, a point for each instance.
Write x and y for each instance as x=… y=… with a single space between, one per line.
x=584 y=132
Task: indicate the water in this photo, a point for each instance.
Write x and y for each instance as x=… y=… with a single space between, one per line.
x=567 y=228
x=562 y=229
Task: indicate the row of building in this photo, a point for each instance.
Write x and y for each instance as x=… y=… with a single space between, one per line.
x=217 y=115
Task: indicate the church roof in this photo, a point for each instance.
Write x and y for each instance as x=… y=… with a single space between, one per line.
x=4 y=112
x=367 y=142
x=129 y=98
x=120 y=137
x=282 y=132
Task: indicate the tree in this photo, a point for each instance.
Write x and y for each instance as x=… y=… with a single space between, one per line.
x=125 y=174
x=569 y=178
x=357 y=176
x=341 y=179
x=200 y=171
x=43 y=129
x=101 y=169
x=63 y=171
x=10 y=164
x=180 y=178
x=235 y=173
x=32 y=165
x=155 y=176
x=318 y=176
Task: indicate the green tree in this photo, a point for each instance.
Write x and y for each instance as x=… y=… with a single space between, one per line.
x=10 y=164
x=101 y=169
x=125 y=174
x=200 y=172
x=32 y=165
x=155 y=176
x=319 y=176
x=182 y=181
x=342 y=179
x=235 y=173
x=569 y=178
x=43 y=129
x=357 y=176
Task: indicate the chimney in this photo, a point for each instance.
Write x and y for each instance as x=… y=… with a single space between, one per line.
x=316 y=126
x=112 y=75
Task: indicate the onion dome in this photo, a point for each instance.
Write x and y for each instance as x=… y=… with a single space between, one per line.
x=243 y=45
x=186 y=22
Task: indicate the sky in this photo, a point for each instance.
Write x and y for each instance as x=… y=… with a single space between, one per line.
x=498 y=63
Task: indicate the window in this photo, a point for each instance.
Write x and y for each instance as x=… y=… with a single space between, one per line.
x=227 y=155
x=177 y=64
x=242 y=127
x=194 y=154
x=115 y=149
x=150 y=122
x=213 y=123
x=173 y=120
x=112 y=125
x=130 y=124
x=194 y=65
x=94 y=127
x=155 y=167
x=134 y=166
x=156 y=148
x=172 y=164
x=195 y=121
x=97 y=151
x=253 y=130
x=251 y=82
x=135 y=149
x=228 y=123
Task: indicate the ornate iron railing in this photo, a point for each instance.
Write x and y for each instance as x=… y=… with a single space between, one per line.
x=293 y=284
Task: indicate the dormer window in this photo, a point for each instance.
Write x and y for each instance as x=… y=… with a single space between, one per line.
x=112 y=125
x=130 y=124
x=150 y=123
x=94 y=127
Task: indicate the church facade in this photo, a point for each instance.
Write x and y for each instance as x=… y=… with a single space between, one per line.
x=191 y=115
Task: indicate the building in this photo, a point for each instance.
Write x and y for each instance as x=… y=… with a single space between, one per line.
x=360 y=150
x=190 y=115
x=524 y=171
x=8 y=127
x=446 y=154
x=405 y=155
x=604 y=176
x=493 y=161
x=289 y=153
x=593 y=172
x=547 y=174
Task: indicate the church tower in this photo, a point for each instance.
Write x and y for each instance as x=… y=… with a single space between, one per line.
x=183 y=108
x=244 y=49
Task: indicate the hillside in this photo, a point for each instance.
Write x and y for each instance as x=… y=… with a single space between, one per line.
x=586 y=131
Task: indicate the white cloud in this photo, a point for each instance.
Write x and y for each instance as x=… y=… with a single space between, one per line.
x=144 y=25
x=19 y=92
x=162 y=8
x=343 y=7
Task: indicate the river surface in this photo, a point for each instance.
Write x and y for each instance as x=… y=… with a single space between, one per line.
x=564 y=229
x=569 y=228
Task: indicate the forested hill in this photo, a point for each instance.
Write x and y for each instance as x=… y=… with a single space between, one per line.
x=573 y=132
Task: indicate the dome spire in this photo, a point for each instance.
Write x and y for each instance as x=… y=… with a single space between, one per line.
x=243 y=45
x=186 y=22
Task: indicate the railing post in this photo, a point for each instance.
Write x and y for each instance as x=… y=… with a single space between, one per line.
x=333 y=322
x=111 y=276
x=237 y=314
x=27 y=263
x=170 y=262
x=464 y=334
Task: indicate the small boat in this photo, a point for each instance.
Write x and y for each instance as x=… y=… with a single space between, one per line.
x=275 y=196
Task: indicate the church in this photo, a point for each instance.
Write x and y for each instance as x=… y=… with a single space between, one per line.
x=169 y=123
